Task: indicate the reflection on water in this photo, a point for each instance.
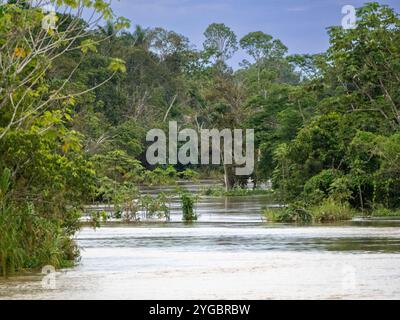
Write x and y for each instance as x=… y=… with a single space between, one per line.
x=229 y=254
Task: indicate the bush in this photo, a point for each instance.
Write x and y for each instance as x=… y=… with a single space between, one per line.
x=155 y=207
x=332 y=211
x=29 y=240
x=272 y=214
x=292 y=214
x=236 y=192
x=328 y=211
x=381 y=211
x=319 y=186
x=189 y=174
x=188 y=202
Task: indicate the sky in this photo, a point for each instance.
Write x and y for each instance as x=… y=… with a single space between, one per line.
x=299 y=24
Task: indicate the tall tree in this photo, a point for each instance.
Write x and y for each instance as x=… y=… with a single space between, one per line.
x=221 y=42
x=263 y=49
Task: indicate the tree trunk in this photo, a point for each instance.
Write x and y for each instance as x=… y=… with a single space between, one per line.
x=229 y=177
x=361 y=198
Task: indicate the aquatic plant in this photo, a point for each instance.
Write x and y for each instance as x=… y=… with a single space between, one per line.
x=328 y=211
x=235 y=192
x=188 y=203
x=291 y=214
x=155 y=206
x=381 y=211
x=332 y=211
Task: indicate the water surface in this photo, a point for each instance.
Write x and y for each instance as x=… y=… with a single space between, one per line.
x=230 y=253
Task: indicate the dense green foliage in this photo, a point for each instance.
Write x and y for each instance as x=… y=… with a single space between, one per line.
x=348 y=150
x=46 y=176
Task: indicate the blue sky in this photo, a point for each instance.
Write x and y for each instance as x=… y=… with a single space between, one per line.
x=300 y=24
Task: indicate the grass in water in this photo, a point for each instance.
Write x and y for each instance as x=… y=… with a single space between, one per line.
x=236 y=192
x=381 y=211
x=327 y=212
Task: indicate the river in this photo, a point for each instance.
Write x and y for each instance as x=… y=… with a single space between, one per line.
x=230 y=253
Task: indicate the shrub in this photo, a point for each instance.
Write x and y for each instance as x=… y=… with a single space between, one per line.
x=155 y=206
x=381 y=211
x=235 y=192
x=328 y=211
x=319 y=186
x=188 y=203
x=272 y=214
x=332 y=211
x=29 y=240
x=189 y=174
x=292 y=214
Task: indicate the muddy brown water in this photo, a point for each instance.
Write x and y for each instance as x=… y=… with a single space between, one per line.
x=230 y=253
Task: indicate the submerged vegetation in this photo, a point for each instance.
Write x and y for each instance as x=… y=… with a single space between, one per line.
x=133 y=207
x=327 y=212
x=235 y=192
x=292 y=214
x=381 y=211
x=77 y=99
x=188 y=204
x=332 y=211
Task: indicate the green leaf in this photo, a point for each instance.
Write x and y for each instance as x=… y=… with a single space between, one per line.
x=117 y=65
